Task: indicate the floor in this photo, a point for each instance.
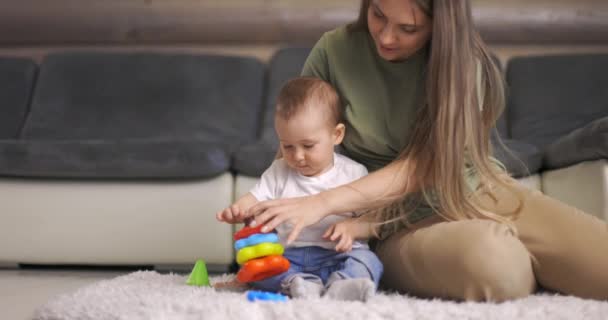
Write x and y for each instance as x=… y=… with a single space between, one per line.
x=24 y=290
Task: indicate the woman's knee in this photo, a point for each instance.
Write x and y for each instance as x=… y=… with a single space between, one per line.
x=497 y=264
x=463 y=260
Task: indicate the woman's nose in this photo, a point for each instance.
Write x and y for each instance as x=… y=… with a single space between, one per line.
x=387 y=36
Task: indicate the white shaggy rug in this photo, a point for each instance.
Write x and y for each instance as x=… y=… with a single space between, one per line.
x=150 y=295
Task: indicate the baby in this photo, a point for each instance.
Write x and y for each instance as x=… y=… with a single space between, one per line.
x=308 y=123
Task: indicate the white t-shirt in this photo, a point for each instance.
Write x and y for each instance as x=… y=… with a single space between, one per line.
x=280 y=181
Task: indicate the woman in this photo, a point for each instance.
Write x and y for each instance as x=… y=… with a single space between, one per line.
x=421 y=96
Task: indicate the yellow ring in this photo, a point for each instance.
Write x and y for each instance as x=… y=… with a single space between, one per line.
x=259 y=250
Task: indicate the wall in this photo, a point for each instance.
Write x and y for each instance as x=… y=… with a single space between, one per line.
x=258 y=27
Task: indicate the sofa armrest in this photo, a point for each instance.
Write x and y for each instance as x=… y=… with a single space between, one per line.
x=584 y=186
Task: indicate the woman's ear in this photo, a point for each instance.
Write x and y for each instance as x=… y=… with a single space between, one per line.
x=339 y=131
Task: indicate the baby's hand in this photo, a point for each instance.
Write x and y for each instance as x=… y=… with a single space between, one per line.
x=232 y=214
x=343 y=233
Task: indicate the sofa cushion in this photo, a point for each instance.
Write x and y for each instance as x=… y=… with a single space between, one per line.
x=110 y=98
x=17 y=76
x=96 y=95
x=254 y=158
x=583 y=144
x=520 y=158
x=128 y=159
x=550 y=96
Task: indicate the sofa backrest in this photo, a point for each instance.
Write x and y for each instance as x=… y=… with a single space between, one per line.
x=97 y=95
x=550 y=96
x=17 y=76
x=501 y=122
x=285 y=64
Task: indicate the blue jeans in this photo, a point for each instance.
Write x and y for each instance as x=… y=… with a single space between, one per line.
x=324 y=266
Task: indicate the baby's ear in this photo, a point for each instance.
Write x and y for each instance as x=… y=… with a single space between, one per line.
x=339 y=131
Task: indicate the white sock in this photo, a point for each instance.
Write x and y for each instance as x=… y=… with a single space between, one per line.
x=360 y=289
x=300 y=288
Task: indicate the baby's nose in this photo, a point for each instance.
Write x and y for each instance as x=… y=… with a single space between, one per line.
x=299 y=156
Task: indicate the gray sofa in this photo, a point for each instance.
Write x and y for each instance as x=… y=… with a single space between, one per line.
x=559 y=105
x=123 y=158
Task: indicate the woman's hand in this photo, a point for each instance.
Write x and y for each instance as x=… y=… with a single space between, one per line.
x=298 y=212
x=346 y=232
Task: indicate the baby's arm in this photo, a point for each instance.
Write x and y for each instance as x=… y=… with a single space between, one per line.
x=234 y=213
x=349 y=230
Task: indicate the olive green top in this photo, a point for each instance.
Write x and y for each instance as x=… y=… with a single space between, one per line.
x=380 y=98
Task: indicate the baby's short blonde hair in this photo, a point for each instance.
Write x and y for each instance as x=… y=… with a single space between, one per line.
x=302 y=92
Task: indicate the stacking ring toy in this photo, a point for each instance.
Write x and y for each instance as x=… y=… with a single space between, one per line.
x=262 y=268
x=259 y=254
x=259 y=250
x=253 y=295
x=247 y=231
x=256 y=239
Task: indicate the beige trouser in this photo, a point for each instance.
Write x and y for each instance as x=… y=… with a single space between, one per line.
x=484 y=260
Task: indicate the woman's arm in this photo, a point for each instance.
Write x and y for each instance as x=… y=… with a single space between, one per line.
x=392 y=180
x=388 y=182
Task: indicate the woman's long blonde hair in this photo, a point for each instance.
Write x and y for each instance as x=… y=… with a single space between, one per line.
x=464 y=98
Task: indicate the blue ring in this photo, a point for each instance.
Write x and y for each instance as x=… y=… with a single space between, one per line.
x=253 y=295
x=257 y=238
